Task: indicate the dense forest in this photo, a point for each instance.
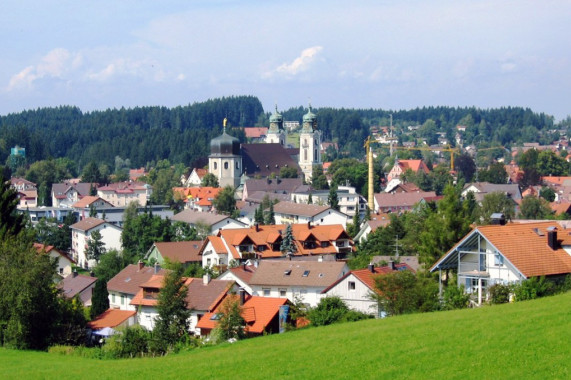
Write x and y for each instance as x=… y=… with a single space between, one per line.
x=181 y=135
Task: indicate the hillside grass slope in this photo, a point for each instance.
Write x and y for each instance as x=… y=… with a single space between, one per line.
x=526 y=340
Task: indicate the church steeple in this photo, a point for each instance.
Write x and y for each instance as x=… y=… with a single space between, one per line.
x=309 y=144
x=276 y=133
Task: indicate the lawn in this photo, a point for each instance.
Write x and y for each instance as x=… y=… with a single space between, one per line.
x=516 y=341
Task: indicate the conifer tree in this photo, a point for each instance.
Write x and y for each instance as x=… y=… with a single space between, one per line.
x=270 y=216
x=288 y=242
x=99 y=298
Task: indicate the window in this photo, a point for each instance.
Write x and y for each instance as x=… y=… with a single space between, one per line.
x=226 y=165
x=351 y=285
x=207 y=262
x=237 y=165
x=283 y=292
x=215 y=165
x=287 y=272
x=305 y=273
x=122 y=299
x=324 y=244
x=113 y=298
x=498 y=260
x=266 y=291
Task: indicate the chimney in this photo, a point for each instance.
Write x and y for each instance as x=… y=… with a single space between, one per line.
x=206 y=279
x=320 y=259
x=141 y=265
x=255 y=263
x=157 y=268
x=371 y=267
x=392 y=265
x=552 y=239
x=309 y=225
x=92 y=274
x=257 y=227
x=242 y=293
x=74 y=273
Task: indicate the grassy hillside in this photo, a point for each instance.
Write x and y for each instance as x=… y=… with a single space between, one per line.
x=517 y=341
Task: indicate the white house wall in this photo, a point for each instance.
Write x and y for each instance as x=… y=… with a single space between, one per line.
x=356 y=299
x=308 y=295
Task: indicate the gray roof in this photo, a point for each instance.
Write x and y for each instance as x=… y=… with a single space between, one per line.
x=402 y=199
x=302 y=209
x=87 y=224
x=75 y=284
x=288 y=185
x=129 y=280
x=512 y=190
x=193 y=217
x=291 y=273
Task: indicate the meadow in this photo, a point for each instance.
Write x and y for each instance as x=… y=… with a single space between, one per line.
x=525 y=340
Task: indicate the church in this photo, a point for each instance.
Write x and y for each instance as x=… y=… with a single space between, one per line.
x=231 y=161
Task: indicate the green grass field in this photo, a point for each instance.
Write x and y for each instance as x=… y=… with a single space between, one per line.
x=526 y=340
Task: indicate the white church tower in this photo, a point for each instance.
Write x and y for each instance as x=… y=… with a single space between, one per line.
x=225 y=160
x=309 y=145
x=276 y=132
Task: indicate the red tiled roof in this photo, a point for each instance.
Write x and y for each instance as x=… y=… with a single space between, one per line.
x=110 y=318
x=255 y=132
x=129 y=280
x=258 y=313
x=368 y=278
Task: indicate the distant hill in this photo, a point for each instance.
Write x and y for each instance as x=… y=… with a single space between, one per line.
x=525 y=340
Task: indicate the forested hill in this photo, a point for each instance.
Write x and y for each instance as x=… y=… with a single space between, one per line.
x=182 y=134
x=141 y=134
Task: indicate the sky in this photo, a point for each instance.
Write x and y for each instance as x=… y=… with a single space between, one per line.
x=388 y=55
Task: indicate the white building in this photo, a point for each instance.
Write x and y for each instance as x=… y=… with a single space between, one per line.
x=290 y=212
x=81 y=234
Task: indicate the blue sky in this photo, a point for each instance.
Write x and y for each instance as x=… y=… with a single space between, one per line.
x=359 y=54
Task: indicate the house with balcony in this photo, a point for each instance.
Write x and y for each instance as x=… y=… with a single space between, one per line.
x=264 y=243
x=81 y=233
x=125 y=284
x=67 y=193
x=506 y=254
x=121 y=194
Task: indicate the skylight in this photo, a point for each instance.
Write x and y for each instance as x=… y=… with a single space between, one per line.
x=305 y=274
x=287 y=272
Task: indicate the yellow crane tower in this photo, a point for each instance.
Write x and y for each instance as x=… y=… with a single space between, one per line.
x=371 y=192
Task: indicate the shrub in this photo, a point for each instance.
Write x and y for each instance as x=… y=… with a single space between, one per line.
x=328 y=311
x=128 y=343
x=533 y=288
x=455 y=298
x=499 y=293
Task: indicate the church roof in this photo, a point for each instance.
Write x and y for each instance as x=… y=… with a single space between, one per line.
x=264 y=159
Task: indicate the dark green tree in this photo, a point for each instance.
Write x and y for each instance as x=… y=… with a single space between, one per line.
x=171 y=324
x=95 y=246
x=496 y=173
x=287 y=246
x=288 y=172
x=110 y=263
x=231 y=324
x=547 y=193
x=269 y=218
x=259 y=215
x=496 y=202
x=11 y=222
x=355 y=226
x=224 y=202
x=318 y=179
x=465 y=166
x=333 y=199
x=209 y=180
x=91 y=173
x=99 y=298
x=535 y=208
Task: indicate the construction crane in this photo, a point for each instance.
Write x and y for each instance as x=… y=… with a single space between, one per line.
x=439 y=149
x=371 y=192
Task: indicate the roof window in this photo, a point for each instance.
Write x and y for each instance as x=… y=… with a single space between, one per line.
x=287 y=272
x=305 y=273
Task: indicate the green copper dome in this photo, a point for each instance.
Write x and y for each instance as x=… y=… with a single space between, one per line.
x=276 y=117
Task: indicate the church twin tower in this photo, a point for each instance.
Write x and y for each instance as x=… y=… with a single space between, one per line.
x=225 y=160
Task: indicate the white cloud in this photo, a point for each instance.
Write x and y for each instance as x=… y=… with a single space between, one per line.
x=55 y=64
x=298 y=65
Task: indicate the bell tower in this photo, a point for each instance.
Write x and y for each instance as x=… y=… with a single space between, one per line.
x=276 y=133
x=309 y=144
x=225 y=160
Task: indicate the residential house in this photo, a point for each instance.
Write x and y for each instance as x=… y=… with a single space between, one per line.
x=261 y=315
x=78 y=285
x=37 y=213
x=399 y=202
x=505 y=254
x=211 y=221
x=84 y=205
x=357 y=287
x=67 y=193
x=480 y=189
x=256 y=134
x=296 y=280
x=349 y=201
x=269 y=185
x=123 y=287
x=197 y=198
x=123 y=193
x=81 y=235
x=290 y=212
x=241 y=275
x=113 y=319
x=184 y=252
x=194 y=178
x=368 y=226
x=264 y=242
x=64 y=263
x=27 y=192
x=135 y=174
x=203 y=296
x=401 y=166
x=411 y=261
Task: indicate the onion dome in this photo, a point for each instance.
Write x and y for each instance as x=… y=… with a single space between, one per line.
x=309 y=120
x=225 y=144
